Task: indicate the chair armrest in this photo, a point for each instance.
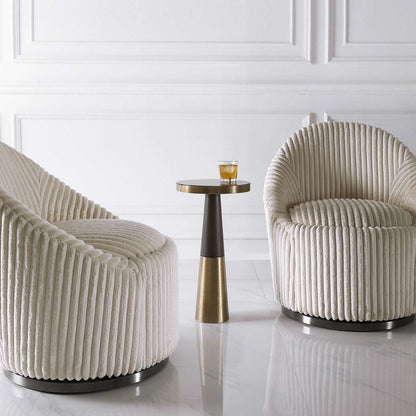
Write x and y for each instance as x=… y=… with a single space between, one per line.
x=403 y=189
x=59 y=202
x=281 y=189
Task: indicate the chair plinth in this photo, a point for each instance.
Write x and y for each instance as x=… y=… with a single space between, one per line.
x=348 y=325
x=85 y=386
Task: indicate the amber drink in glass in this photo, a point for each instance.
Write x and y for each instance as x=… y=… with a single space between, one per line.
x=228 y=171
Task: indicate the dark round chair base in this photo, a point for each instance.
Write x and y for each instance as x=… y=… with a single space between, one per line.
x=84 y=386
x=348 y=326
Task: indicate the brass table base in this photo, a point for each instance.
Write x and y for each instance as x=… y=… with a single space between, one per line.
x=212 y=302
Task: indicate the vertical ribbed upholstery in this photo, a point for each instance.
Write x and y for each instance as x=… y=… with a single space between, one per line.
x=351 y=273
x=69 y=310
x=58 y=202
x=41 y=192
x=19 y=177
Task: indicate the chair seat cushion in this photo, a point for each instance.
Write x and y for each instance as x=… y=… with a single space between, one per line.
x=117 y=237
x=350 y=213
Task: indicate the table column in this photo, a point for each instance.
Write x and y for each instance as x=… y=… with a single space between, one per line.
x=212 y=301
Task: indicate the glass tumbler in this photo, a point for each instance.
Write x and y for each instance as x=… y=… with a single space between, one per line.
x=228 y=171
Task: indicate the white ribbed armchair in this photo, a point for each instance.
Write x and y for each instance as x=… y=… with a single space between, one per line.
x=84 y=295
x=340 y=202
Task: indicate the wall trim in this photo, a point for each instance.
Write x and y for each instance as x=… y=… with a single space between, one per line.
x=384 y=115
x=337 y=88
x=38 y=50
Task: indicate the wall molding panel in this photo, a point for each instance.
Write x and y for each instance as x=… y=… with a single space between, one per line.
x=296 y=47
x=340 y=42
x=305 y=119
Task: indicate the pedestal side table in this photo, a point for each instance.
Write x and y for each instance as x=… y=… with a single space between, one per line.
x=212 y=300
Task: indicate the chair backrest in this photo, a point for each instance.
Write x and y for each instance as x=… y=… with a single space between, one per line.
x=19 y=177
x=344 y=160
x=45 y=195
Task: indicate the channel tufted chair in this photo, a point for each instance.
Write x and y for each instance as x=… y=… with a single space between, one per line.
x=88 y=301
x=340 y=202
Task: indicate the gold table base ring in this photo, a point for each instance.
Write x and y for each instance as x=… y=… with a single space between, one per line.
x=212 y=303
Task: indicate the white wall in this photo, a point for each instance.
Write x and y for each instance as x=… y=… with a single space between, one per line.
x=121 y=98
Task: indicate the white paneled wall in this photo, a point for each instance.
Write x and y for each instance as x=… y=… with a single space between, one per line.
x=371 y=30
x=125 y=30
x=121 y=98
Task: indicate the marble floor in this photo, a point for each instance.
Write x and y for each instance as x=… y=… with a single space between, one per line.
x=259 y=363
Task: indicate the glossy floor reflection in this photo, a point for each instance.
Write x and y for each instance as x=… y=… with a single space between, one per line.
x=315 y=371
x=211 y=348
x=257 y=363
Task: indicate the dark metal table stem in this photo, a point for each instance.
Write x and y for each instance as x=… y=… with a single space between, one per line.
x=212 y=301
x=212 y=243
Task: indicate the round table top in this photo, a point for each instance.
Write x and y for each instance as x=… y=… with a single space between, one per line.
x=212 y=186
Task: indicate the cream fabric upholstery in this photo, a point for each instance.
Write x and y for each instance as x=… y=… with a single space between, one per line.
x=340 y=201
x=349 y=213
x=118 y=237
x=83 y=294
